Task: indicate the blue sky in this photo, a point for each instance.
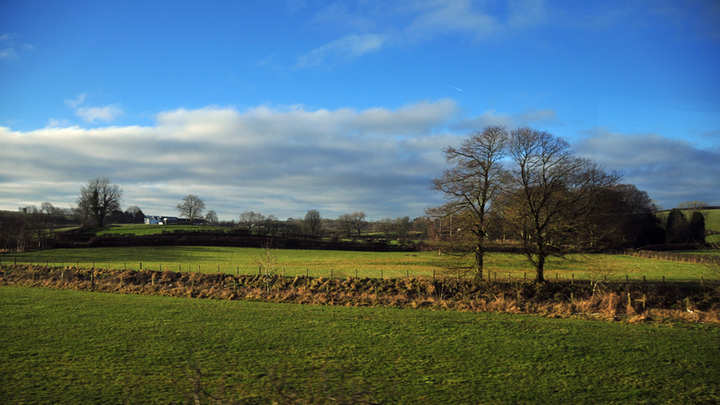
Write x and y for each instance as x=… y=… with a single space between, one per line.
x=284 y=106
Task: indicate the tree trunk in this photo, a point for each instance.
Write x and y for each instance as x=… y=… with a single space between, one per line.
x=479 y=262
x=540 y=269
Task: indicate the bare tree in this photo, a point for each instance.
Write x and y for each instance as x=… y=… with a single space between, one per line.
x=470 y=188
x=97 y=200
x=313 y=221
x=346 y=224
x=249 y=219
x=211 y=217
x=133 y=209
x=388 y=227
x=47 y=208
x=191 y=207
x=354 y=222
x=272 y=225
x=693 y=205
x=267 y=258
x=554 y=197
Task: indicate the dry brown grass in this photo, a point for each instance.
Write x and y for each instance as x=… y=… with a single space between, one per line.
x=630 y=302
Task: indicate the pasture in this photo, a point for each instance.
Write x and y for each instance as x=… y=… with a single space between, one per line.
x=341 y=264
x=63 y=346
x=142 y=229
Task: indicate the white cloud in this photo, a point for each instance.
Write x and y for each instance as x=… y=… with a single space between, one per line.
x=447 y=16
x=481 y=20
x=377 y=25
x=511 y=121
x=280 y=161
x=669 y=170
x=93 y=114
x=8 y=54
x=106 y=114
x=526 y=13
x=342 y=49
x=78 y=101
x=287 y=160
x=11 y=53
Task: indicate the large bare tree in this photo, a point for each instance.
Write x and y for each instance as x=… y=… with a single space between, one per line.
x=191 y=207
x=555 y=196
x=97 y=200
x=470 y=187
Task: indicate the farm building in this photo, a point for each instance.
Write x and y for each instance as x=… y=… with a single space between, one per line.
x=162 y=220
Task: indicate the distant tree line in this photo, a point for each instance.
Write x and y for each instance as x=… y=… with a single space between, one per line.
x=550 y=203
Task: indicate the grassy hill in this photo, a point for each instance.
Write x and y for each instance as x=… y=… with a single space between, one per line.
x=142 y=229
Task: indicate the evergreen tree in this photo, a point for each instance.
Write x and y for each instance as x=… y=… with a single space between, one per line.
x=697 y=227
x=649 y=230
x=677 y=229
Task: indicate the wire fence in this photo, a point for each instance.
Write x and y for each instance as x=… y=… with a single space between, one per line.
x=517 y=276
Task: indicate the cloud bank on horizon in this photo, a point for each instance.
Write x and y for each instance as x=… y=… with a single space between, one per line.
x=346 y=106
x=287 y=161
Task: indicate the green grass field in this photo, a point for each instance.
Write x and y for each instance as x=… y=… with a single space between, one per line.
x=62 y=346
x=345 y=263
x=142 y=229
